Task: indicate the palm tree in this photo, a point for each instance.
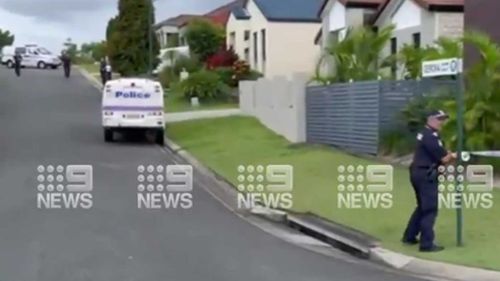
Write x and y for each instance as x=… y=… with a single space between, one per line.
x=356 y=57
x=410 y=57
x=482 y=97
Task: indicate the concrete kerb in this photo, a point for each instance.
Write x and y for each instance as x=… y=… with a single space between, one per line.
x=374 y=252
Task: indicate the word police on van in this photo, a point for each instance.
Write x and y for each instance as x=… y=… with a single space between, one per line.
x=132 y=95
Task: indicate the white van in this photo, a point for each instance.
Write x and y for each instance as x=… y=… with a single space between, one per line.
x=33 y=56
x=133 y=104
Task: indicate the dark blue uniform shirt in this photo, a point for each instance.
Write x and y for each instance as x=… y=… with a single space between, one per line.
x=430 y=149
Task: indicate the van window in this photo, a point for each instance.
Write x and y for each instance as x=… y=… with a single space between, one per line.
x=44 y=51
x=20 y=50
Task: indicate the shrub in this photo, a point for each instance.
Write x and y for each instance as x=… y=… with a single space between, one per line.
x=226 y=74
x=168 y=76
x=253 y=75
x=222 y=58
x=204 y=38
x=397 y=142
x=206 y=85
x=189 y=63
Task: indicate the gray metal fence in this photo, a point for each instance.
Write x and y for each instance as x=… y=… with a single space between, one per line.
x=352 y=115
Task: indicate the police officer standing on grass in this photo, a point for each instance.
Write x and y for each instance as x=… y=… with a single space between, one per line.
x=429 y=155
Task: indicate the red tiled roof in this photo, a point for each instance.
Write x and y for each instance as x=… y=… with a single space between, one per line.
x=362 y=2
x=428 y=3
x=221 y=14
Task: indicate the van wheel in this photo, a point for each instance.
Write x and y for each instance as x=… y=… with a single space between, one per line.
x=108 y=135
x=160 y=137
x=41 y=65
x=10 y=64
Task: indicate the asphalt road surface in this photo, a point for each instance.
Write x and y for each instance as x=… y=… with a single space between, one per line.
x=46 y=119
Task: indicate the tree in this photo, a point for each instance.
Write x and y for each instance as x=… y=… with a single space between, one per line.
x=204 y=38
x=481 y=100
x=411 y=57
x=6 y=39
x=128 y=37
x=95 y=50
x=357 y=56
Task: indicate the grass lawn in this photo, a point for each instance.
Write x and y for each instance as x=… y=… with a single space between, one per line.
x=224 y=143
x=177 y=103
x=91 y=68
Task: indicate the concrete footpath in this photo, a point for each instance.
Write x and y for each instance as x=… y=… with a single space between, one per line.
x=174 y=116
x=350 y=240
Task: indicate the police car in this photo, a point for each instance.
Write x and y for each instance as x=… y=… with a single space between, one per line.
x=133 y=104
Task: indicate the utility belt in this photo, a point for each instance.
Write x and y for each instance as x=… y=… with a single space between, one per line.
x=431 y=170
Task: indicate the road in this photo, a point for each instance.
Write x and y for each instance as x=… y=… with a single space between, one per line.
x=46 y=119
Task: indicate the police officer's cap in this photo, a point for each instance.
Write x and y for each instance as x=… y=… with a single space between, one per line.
x=439 y=114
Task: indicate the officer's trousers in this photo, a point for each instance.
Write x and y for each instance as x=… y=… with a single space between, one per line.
x=423 y=218
x=103 y=77
x=67 y=70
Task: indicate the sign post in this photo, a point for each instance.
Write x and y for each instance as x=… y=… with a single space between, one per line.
x=452 y=67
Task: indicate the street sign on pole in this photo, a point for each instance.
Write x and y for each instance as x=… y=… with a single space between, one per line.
x=452 y=67
x=442 y=67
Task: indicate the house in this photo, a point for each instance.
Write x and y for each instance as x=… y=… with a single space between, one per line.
x=337 y=16
x=419 y=22
x=276 y=37
x=481 y=15
x=169 y=32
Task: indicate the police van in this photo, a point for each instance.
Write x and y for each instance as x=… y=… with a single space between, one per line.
x=32 y=56
x=133 y=104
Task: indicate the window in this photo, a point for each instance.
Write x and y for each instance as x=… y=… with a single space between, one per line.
x=255 y=53
x=247 y=35
x=394 y=50
x=20 y=50
x=44 y=51
x=416 y=40
x=263 y=44
x=247 y=54
x=232 y=39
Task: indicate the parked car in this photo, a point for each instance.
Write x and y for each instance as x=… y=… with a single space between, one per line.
x=33 y=56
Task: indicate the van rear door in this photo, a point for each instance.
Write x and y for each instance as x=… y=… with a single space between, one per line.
x=133 y=97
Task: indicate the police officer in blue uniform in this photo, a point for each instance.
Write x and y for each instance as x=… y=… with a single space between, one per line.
x=430 y=153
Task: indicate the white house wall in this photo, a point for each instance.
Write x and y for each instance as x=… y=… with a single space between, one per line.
x=237 y=26
x=408 y=15
x=337 y=16
x=404 y=31
x=291 y=48
x=257 y=22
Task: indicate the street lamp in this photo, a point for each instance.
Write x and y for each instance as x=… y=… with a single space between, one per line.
x=150 y=37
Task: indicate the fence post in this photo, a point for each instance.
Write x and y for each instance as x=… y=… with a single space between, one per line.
x=299 y=91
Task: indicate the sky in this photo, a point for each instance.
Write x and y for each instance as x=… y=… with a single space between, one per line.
x=50 y=22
